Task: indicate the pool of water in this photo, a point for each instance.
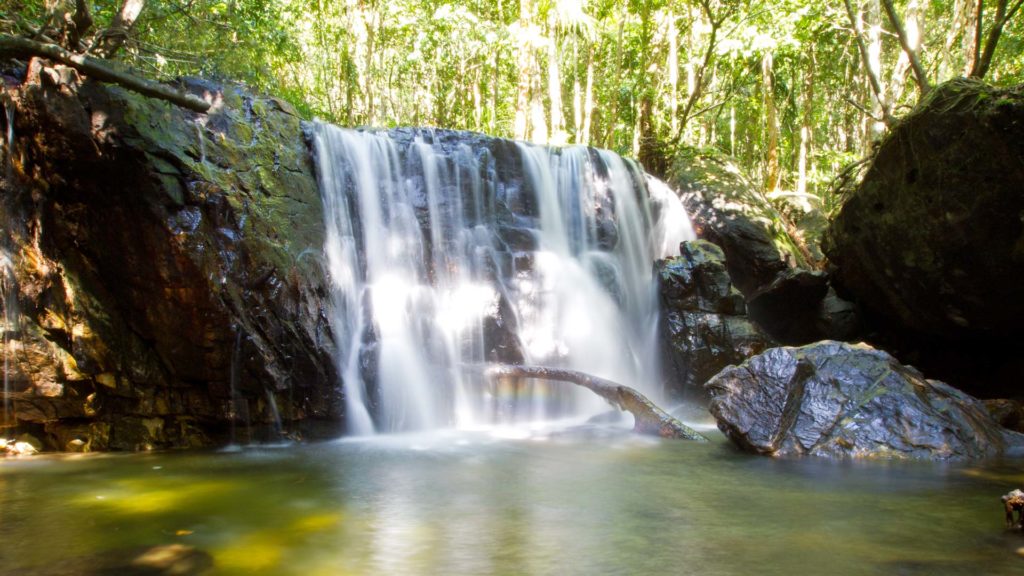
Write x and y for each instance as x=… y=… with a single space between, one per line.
x=575 y=501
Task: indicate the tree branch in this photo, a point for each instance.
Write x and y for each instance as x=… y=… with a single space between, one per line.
x=111 y=40
x=876 y=83
x=919 y=74
x=649 y=419
x=1003 y=15
x=25 y=48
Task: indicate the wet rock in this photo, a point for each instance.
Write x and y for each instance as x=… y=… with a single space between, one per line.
x=1009 y=413
x=799 y=307
x=930 y=242
x=169 y=247
x=836 y=399
x=703 y=325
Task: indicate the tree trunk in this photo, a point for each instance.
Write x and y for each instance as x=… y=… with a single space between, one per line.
x=554 y=86
x=649 y=419
x=521 y=127
x=909 y=44
x=25 y=48
x=772 y=172
x=870 y=56
x=116 y=34
x=588 y=97
x=1003 y=14
x=808 y=121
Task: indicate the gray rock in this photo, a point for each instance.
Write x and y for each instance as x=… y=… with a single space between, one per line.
x=836 y=399
x=703 y=325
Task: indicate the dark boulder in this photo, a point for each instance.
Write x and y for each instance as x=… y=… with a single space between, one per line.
x=799 y=307
x=836 y=399
x=704 y=326
x=931 y=242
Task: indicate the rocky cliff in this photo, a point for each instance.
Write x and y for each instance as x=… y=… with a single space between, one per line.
x=165 y=269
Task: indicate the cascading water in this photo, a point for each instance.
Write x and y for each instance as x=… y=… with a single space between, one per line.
x=447 y=251
x=8 y=282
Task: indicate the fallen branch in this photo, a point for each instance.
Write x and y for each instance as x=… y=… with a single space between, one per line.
x=649 y=419
x=25 y=48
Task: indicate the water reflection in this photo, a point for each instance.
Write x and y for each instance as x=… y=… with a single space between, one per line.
x=583 y=501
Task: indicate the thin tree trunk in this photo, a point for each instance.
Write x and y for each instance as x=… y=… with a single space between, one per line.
x=808 y=122
x=772 y=176
x=909 y=48
x=1003 y=15
x=554 y=84
x=673 y=73
x=117 y=33
x=870 y=63
x=521 y=127
x=973 y=47
x=588 y=97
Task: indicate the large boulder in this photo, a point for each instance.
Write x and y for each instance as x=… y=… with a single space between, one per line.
x=704 y=324
x=729 y=211
x=837 y=399
x=931 y=242
x=770 y=243
x=167 y=267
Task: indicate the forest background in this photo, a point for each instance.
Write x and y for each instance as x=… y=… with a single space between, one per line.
x=792 y=90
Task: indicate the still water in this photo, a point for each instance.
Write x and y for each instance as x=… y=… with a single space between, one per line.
x=580 y=500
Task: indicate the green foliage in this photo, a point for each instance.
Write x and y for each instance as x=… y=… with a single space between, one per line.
x=661 y=75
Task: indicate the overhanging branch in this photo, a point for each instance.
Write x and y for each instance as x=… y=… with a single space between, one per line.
x=25 y=48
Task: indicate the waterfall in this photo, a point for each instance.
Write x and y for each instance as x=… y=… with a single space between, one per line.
x=447 y=251
x=8 y=282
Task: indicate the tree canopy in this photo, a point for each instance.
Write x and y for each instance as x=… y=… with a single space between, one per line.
x=792 y=89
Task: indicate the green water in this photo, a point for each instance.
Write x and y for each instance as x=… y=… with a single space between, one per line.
x=584 y=502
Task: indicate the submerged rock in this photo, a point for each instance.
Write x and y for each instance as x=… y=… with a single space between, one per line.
x=836 y=399
x=704 y=326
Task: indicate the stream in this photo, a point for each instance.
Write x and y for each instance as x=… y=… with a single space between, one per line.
x=580 y=499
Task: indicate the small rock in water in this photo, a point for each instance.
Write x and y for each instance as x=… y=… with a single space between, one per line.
x=31 y=441
x=173 y=559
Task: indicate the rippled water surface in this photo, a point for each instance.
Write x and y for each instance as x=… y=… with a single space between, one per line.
x=582 y=501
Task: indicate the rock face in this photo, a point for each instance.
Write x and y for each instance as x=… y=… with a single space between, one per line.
x=931 y=242
x=727 y=210
x=768 y=250
x=836 y=399
x=932 y=237
x=704 y=324
x=167 y=268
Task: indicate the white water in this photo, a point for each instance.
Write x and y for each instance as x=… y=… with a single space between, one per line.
x=422 y=269
x=8 y=283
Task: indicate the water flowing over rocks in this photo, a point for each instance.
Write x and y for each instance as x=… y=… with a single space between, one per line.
x=167 y=268
x=168 y=285
x=931 y=242
x=842 y=400
x=448 y=250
